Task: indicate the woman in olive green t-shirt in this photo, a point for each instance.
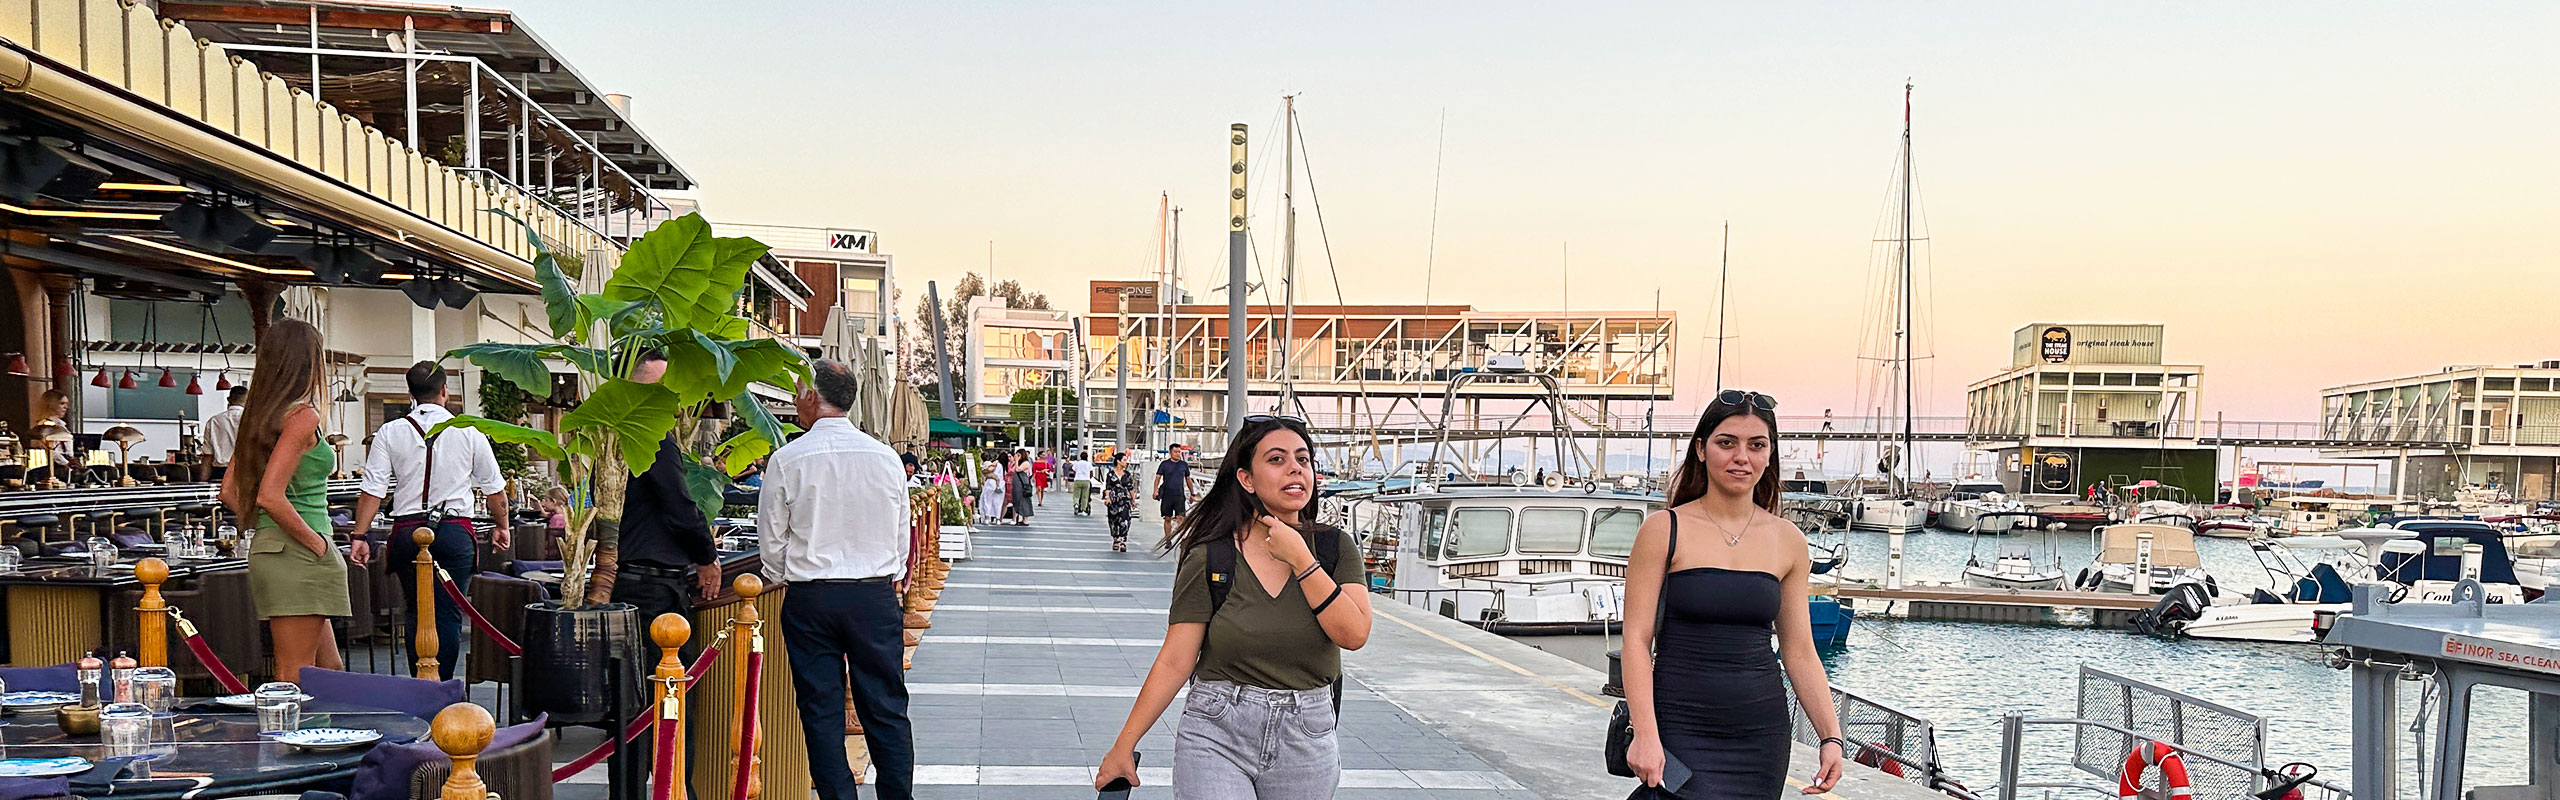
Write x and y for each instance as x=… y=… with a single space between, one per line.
x=1271 y=652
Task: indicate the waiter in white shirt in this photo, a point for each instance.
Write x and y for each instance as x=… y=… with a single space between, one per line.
x=222 y=430
x=832 y=521
x=434 y=492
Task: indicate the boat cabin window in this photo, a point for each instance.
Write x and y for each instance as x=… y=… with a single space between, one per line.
x=1551 y=530
x=1479 y=532
x=1613 y=531
x=1433 y=530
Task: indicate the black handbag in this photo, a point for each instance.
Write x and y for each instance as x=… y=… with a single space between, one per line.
x=1622 y=724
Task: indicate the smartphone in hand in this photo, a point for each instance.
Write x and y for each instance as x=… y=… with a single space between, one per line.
x=1674 y=773
x=1118 y=788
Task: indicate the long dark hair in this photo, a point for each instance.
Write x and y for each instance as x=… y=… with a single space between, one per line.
x=290 y=371
x=1228 y=510
x=1689 y=480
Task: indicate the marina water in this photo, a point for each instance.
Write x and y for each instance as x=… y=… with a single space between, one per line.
x=1962 y=676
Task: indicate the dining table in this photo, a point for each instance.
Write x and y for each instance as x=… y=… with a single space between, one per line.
x=213 y=751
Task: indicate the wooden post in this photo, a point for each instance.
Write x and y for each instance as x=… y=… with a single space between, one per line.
x=155 y=612
x=462 y=730
x=670 y=632
x=748 y=627
x=424 y=643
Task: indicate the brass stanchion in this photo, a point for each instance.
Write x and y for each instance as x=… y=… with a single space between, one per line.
x=155 y=612
x=670 y=632
x=462 y=730
x=748 y=626
x=425 y=641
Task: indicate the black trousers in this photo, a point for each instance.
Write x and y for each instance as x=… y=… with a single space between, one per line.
x=459 y=556
x=836 y=630
x=654 y=595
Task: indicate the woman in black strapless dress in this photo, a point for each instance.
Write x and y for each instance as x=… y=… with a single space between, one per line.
x=1704 y=688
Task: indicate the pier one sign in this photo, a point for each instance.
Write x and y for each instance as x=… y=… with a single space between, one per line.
x=2511 y=655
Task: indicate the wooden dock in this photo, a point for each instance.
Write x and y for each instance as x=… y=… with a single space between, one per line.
x=1976 y=604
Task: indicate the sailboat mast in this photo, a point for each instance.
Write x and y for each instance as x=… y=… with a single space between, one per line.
x=1904 y=463
x=1724 y=273
x=1288 y=255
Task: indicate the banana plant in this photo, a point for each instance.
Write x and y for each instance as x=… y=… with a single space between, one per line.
x=674 y=292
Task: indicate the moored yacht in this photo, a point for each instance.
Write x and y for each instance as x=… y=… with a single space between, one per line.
x=2140 y=558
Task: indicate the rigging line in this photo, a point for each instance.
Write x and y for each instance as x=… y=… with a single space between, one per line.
x=1359 y=378
x=1431 y=245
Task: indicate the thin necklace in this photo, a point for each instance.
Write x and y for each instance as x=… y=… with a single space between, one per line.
x=1732 y=538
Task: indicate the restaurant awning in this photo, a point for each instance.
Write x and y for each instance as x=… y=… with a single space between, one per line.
x=953 y=429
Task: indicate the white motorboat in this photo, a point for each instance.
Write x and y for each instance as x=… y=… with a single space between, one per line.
x=1889 y=514
x=2236 y=522
x=2422 y=560
x=1966 y=506
x=2314 y=572
x=2015 y=564
x=2142 y=558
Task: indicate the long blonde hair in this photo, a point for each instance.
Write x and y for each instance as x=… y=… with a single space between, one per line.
x=290 y=372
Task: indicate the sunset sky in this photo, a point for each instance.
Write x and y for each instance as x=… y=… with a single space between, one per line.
x=2306 y=194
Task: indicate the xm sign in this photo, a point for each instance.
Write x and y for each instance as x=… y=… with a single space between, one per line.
x=846 y=241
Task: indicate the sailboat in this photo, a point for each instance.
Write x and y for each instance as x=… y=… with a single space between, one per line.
x=1897 y=509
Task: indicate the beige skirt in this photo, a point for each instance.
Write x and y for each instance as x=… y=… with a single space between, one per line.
x=288 y=580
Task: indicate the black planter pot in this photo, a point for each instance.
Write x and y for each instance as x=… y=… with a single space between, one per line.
x=568 y=661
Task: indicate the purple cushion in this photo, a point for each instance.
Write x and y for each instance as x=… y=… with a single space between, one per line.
x=417 y=697
x=384 y=772
x=56 y=678
x=31 y=788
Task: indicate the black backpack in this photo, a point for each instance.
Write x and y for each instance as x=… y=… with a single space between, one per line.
x=1222 y=574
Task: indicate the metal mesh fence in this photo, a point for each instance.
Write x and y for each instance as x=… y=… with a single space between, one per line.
x=1879 y=736
x=2173 y=717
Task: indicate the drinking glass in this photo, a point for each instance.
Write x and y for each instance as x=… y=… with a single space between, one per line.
x=9 y=559
x=156 y=688
x=279 y=707
x=102 y=553
x=125 y=728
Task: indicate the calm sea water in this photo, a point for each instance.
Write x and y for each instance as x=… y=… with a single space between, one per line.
x=1963 y=676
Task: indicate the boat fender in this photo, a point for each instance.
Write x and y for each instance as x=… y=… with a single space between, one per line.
x=2083 y=580
x=2173 y=771
x=1869 y=754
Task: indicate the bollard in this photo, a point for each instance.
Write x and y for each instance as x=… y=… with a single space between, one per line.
x=1893 y=559
x=155 y=611
x=670 y=632
x=424 y=643
x=748 y=626
x=2142 y=562
x=462 y=730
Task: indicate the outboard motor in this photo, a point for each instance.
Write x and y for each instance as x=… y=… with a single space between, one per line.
x=2182 y=604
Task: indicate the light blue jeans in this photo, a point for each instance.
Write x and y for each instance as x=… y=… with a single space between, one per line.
x=1240 y=741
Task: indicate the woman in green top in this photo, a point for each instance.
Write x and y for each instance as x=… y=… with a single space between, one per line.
x=1260 y=719
x=279 y=478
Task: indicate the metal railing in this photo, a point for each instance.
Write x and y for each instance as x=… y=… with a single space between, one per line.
x=2012 y=774
x=1883 y=737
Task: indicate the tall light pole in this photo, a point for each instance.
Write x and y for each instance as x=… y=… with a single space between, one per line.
x=1235 y=276
x=1120 y=369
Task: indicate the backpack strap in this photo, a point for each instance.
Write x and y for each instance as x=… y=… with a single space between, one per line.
x=1222 y=576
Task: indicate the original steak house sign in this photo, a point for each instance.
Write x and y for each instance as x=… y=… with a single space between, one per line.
x=2089 y=344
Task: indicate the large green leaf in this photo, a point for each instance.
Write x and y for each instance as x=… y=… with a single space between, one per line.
x=594 y=307
x=731 y=327
x=765 y=361
x=507 y=433
x=520 y=364
x=743 y=449
x=638 y=414
x=760 y=421
x=693 y=275
x=697 y=368
x=592 y=360
x=704 y=483
x=558 y=300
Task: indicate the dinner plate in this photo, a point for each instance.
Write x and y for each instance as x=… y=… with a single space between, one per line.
x=42 y=767
x=250 y=701
x=328 y=738
x=37 y=699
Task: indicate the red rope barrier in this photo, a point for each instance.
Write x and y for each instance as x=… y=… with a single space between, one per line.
x=701 y=666
x=662 y=775
x=498 y=637
x=748 y=723
x=204 y=655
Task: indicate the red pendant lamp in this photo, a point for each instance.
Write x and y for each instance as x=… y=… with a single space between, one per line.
x=222 y=381
x=127 y=382
x=168 y=379
x=18 y=365
x=63 y=370
x=101 y=381
x=195 y=384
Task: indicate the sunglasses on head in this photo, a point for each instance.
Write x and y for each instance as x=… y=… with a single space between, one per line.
x=1735 y=397
x=1257 y=419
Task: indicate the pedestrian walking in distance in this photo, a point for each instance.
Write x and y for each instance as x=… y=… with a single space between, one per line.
x=1262 y=661
x=1172 y=491
x=430 y=481
x=1080 y=470
x=832 y=521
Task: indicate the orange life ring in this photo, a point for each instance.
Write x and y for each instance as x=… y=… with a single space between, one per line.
x=2173 y=770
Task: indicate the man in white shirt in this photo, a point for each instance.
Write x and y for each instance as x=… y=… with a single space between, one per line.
x=222 y=431
x=1080 y=470
x=832 y=523
x=424 y=492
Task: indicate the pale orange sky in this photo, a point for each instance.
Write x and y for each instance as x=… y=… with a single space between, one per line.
x=2307 y=194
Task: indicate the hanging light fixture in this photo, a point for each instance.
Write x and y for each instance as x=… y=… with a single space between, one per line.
x=222 y=381
x=18 y=366
x=63 y=370
x=195 y=383
x=127 y=382
x=101 y=381
x=168 y=379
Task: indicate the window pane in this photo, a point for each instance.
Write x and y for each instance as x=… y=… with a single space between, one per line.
x=1480 y=532
x=1432 y=531
x=1551 y=530
x=1613 y=531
